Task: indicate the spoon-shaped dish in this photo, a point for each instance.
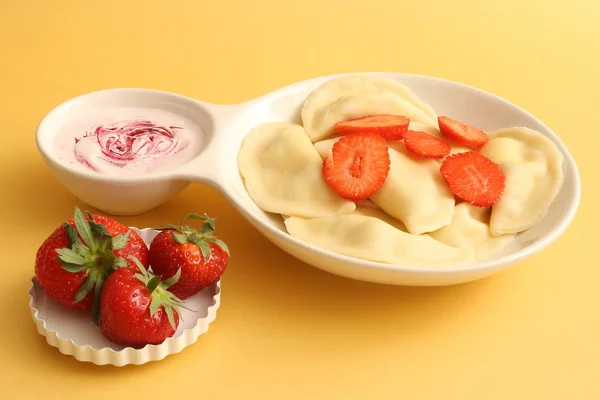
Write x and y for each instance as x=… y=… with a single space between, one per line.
x=224 y=127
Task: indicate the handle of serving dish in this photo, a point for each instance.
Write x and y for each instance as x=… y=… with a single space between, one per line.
x=205 y=168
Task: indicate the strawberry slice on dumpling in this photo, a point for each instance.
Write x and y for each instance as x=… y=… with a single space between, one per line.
x=357 y=165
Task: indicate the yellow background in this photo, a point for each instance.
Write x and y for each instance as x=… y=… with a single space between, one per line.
x=286 y=330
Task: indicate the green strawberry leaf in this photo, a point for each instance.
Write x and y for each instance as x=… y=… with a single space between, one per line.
x=207 y=228
x=179 y=238
x=172 y=280
x=83 y=227
x=153 y=284
x=210 y=223
x=138 y=264
x=120 y=262
x=96 y=305
x=71 y=234
x=194 y=216
x=205 y=249
x=71 y=256
x=74 y=268
x=169 y=311
x=154 y=305
x=89 y=216
x=80 y=248
x=84 y=289
x=120 y=241
x=98 y=230
x=222 y=245
x=201 y=242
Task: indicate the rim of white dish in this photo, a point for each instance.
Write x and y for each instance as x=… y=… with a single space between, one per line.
x=147 y=352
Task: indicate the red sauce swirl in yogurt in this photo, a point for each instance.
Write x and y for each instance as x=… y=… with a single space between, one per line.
x=148 y=140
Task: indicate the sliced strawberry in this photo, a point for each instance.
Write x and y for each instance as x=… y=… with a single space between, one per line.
x=474 y=178
x=462 y=133
x=357 y=165
x=425 y=145
x=390 y=127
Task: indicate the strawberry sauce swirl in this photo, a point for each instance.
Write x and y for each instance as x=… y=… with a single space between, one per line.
x=127 y=143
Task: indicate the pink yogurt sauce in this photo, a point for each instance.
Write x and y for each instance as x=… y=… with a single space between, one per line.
x=128 y=141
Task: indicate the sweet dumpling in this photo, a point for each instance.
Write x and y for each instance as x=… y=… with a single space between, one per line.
x=372 y=239
x=371 y=210
x=282 y=173
x=414 y=191
x=324 y=146
x=533 y=167
x=469 y=229
x=359 y=96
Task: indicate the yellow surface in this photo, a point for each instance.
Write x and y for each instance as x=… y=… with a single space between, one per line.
x=286 y=330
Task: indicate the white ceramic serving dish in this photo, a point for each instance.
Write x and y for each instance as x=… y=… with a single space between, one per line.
x=225 y=127
x=73 y=333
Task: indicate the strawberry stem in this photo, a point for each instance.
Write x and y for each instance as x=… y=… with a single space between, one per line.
x=93 y=253
x=157 y=289
x=202 y=238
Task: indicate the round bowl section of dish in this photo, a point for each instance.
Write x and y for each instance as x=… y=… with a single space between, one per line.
x=441 y=193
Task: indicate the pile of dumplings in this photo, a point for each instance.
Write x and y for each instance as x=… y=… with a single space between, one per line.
x=413 y=219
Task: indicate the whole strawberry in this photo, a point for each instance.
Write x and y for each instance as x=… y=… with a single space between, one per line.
x=136 y=309
x=74 y=261
x=201 y=256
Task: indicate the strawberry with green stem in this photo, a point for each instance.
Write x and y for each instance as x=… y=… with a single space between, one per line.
x=75 y=260
x=199 y=254
x=136 y=308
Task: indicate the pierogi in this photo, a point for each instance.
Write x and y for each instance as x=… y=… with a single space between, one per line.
x=413 y=218
x=282 y=173
x=358 y=96
x=372 y=239
x=533 y=167
x=470 y=229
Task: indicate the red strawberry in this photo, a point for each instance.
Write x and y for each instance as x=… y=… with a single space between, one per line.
x=136 y=309
x=462 y=133
x=390 y=127
x=474 y=178
x=201 y=256
x=357 y=165
x=73 y=262
x=425 y=145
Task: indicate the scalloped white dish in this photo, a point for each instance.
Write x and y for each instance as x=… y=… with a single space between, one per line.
x=73 y=333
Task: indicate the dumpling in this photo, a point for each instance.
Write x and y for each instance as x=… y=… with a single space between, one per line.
x=435 y=131
x=469 y=229
x=533 y=167
x=414 y=191
x=359 y=96
x=324 y=146
x=282 y=173
x=370 y=238
x=367 y=208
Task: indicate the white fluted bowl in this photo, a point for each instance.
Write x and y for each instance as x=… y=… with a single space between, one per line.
x=74 y=334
